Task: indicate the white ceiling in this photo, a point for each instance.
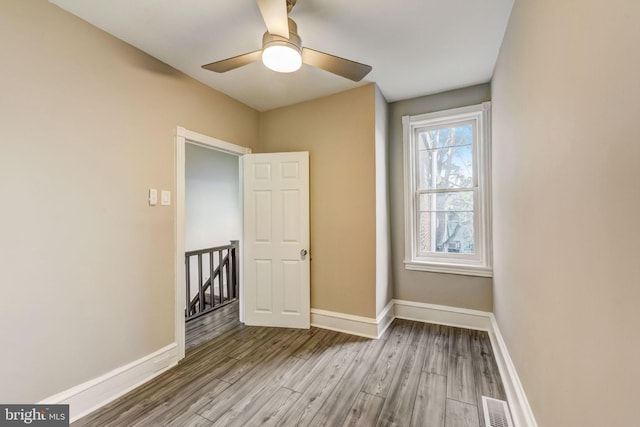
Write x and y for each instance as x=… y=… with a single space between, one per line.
x=416 y=47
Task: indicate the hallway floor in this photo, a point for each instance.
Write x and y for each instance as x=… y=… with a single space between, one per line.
x=211 y=325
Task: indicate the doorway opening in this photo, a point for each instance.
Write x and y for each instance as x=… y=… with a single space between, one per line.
x=208 y=237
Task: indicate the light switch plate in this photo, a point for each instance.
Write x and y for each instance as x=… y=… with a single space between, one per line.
x=153 y=197
x=165 y=198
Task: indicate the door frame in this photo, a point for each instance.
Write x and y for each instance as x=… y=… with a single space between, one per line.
x=184 y=136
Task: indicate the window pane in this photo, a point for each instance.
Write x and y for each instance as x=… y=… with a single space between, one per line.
x=450 y=167
x=446 y=232
x=445 y=137
x=452 y=201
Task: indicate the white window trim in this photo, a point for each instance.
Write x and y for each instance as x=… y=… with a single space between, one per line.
x=482 y=265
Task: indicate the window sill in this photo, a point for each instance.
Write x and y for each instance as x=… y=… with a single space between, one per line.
x=466 y=270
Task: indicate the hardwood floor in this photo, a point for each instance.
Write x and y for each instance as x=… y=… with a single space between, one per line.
x=211 y=325
x=417 y=374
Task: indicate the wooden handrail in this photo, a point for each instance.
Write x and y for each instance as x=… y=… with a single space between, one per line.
x=207 y=250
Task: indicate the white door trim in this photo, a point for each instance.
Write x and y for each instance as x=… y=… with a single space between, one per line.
x=182 y=137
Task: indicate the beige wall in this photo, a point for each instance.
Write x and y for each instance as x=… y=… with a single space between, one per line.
x=87 y=268
x=434 y=288
x=566 y=202
x=339 y=133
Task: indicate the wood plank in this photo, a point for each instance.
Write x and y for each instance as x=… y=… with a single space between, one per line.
x=276 y=344
x=430 y=403
x=213 y=317
x=316 y=392
x=210 y=349
x=399 y=403
x=341 y=399
x=255 y=379
x=485 y=369
x=209 y=325
x=279 y=403
x=461 y=414
x=365 y=411
x=212 y=359
x=190 y=420
x=316 y=364
x=247 y=404
x=321 y=340
x=436 y=361
x=183 y=405
x=211 y=356
x=247 y=347
x=487 y=375
x=250 y=332
x=460 y=382
x=379 y=380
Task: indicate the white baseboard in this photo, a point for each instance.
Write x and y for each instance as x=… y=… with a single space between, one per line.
x=347 y=323
x=367 y=327
x=93 y=394
x=442 y=315
x=518 y=403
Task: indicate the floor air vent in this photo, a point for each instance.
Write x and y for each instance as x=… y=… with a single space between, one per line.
x=496 y=412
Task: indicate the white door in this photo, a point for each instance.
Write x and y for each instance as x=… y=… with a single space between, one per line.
x=276 y=239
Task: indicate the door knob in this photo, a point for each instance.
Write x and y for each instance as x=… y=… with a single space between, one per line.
x=303 y=253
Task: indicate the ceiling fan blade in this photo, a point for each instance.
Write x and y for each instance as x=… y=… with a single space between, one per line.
x=274 y=14
x=235 y=62
x=334 y=64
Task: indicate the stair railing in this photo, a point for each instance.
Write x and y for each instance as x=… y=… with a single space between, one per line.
x=218 y=286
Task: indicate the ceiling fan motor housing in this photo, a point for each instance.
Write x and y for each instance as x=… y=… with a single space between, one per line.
x=294 y=41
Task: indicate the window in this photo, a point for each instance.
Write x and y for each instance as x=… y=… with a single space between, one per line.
x=447 y=191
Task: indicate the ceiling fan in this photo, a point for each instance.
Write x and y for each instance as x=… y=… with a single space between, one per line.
x=282 y=49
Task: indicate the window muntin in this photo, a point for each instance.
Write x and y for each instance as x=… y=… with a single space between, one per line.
x=446 y=168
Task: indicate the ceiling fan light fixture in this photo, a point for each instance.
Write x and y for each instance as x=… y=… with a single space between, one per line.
x=282 y=58
x=281 y=54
